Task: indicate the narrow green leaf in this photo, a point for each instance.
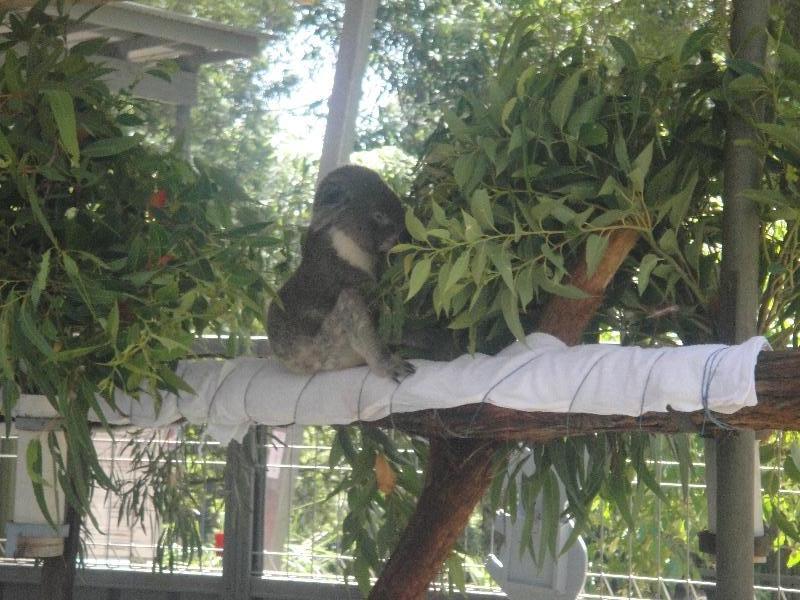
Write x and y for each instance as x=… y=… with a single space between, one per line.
x=74 y=273
x=595 y=250
x=415 y=226
x=478 y=266
x=551 y=512
x=72 y=354
x=560 y=289
x=40 y=281
x=592 y=134
x=502 y=261
x=455 y=572
x=509 y=306
x=111 y=146
x=173 y=382
x=786 y=135
x=507 y=108
x=625 y=51
x=621 y=152
x=463 y=169
x=29 y=329
x=680 y=445
x=791 y=470
x=586 y=114
x=669 y=242
x=696 y=41
x=522 y=80
x=6 y=319
x=481 y=208
x=112 y=323
x=564 y=98
x=12 y=72
x=36 y=208
x=419 y=275
x=458 y=270
x=33 y=464
x=649 y=261
x=680 y=202
x=6 y=151
x=643 y=161
x=525 y=287
x=63 y=111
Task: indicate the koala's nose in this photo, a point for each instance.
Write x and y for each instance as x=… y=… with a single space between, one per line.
x=389 y=243
x=404 y=237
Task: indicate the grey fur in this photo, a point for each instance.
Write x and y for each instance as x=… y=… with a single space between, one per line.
x=325 y=322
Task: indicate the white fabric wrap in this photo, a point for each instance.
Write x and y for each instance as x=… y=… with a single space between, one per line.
x=540 y=374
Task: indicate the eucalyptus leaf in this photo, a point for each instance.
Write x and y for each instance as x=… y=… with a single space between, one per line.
x=419 y=275
x=564 y=98
x=111 y=146
x=415 y=226
x=63 y=109
x=40 y=281
x=595 y=250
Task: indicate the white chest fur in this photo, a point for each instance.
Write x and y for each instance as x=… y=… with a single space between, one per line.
x=350 y=252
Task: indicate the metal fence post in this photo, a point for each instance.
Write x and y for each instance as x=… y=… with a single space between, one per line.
x=739 y=297
x=237 y=562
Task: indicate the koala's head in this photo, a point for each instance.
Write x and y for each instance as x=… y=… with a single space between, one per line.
x=357 y=202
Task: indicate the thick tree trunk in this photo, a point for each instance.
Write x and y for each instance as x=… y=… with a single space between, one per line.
x=460 y=470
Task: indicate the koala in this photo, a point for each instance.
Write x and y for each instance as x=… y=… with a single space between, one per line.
x=323 y=320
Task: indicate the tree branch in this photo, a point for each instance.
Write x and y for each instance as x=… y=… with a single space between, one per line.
x=777 y=388
x=460 y=470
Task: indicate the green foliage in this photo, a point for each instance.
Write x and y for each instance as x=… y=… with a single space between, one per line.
x=375 y=519
x=533 y=171
x=423 y=51
x=115 y=255
x=180 y=480
x=530 y=173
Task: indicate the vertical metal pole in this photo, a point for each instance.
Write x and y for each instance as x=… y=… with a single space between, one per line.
x=182 y=129
x=739 y=301
x=351 y=63
x=261 y=435
x=8 y=469
x=237 y=553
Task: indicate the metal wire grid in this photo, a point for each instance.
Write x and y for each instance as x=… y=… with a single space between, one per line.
x=113 y=542
x=306 y=551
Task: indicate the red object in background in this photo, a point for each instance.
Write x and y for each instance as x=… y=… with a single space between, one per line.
x=158 y=199
x=219 y=541
x=165 y=260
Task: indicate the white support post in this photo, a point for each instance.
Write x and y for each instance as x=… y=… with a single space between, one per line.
x=29 y=534
x=359 y=23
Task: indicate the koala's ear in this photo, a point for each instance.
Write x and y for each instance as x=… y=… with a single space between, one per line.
x=331 y=198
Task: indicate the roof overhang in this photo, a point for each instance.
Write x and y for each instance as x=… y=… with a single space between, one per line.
x=140 y=35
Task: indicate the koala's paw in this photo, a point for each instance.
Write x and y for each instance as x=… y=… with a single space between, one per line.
x=394 y=367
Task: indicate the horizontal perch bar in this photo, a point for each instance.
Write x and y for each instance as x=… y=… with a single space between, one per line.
x=777 y=388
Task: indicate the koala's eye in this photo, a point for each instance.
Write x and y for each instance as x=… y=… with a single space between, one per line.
x=381 y=219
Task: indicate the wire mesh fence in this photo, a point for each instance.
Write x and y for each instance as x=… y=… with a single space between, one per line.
x=302 y=522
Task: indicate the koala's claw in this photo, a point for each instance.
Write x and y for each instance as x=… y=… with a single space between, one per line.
x=395 y=368
x=402 y=369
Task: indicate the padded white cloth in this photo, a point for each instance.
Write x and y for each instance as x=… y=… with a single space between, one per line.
x=540 y=374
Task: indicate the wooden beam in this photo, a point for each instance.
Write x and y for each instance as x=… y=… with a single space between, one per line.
x=181 y=90
x=777 y=388
x=169 y=26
